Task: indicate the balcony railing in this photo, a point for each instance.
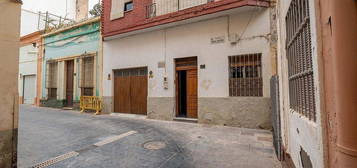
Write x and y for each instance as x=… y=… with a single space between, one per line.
x=162 y=7
x=151 y=10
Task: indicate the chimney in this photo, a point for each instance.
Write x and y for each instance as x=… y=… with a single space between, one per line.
x=81 y=9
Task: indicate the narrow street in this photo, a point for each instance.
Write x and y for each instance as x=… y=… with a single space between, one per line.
x=85 y=140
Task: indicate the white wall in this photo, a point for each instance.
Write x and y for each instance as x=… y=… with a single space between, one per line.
x=27 y=63
x=193 y=39
x=297 y=130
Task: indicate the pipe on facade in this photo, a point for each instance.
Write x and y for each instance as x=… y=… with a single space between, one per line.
x=344 y=51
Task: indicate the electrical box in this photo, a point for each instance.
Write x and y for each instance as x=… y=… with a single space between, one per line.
x=165 y=83
x=233 y=38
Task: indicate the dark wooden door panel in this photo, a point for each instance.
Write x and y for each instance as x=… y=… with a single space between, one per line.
x=192 y=93
x=130 y=91
x=122 y=94
x=138 y=92
x=69 y=82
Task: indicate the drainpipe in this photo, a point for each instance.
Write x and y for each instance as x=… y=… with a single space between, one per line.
x=344 y=64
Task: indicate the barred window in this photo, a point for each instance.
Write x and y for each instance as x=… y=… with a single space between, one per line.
x=87 y=75
x=131 y=72
x=51 y=79
x=299 y=55
x=245 y=75
x=52 y=93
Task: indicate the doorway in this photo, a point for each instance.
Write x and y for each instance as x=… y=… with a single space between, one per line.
x=69 y=82
x=29 y=89
x=186 y=87
x=130 y=91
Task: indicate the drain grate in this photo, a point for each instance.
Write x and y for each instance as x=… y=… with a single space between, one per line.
x=75 y=153
x=154 y=145
x=55 y=160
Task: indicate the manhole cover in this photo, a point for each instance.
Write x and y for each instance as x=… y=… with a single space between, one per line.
x=154 y=145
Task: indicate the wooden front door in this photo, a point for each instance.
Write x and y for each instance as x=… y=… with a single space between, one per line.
x=191 y=93
x=69 y=82
x=186 y=87
x=130 y=91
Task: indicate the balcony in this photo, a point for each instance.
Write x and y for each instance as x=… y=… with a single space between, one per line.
x=152 y=15
x=162 y=7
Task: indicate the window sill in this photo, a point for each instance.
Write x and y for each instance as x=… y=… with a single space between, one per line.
x=128 y=11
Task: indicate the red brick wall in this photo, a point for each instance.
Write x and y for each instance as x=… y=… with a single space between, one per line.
x=136 y=19
x=130 y=19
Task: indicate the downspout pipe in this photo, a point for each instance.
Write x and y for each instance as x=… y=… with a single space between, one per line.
x=344 y=64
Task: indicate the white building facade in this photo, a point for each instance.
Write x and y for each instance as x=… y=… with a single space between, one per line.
x=299 y=81
x=28 y=68
x=215 y=69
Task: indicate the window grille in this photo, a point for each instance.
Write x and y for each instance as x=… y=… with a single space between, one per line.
x=52 y=93
x=87 y=73
x=245 y=75
x=51 y=79
x=87 y=91
x=131 y=72
x=299 y=55
x=191 y=61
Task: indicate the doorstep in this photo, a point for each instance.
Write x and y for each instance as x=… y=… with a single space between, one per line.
x=183 y=119
x=129 y=115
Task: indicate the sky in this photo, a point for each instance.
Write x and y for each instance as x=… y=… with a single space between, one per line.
x=57 y=7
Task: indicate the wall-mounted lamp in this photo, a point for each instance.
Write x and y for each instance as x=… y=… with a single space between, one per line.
x=109 y=77
x=151 y=75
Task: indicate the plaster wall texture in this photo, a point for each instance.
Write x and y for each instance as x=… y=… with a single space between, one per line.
x=245 y=112
x=194 y=39
x=81 y=9
x=9 y=47
x=27 y=63
x=161 y=108
x=70 y=44
x=297 y=131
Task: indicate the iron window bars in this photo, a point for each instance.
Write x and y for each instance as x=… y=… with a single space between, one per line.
x=51 y=79
x=299 y=55
x=245 y=75
x=87 y=76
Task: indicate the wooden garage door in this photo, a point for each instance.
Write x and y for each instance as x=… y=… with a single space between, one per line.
x=130 y=91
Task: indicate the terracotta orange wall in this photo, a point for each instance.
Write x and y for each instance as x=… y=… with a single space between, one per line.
x=338 y=35
x=39 y=73
x=344 y=91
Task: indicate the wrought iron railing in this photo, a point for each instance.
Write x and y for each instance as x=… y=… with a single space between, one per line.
x=49 y=22
x=161 y=7
x=151 y=10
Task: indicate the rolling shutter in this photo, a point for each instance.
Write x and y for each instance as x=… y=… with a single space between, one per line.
x=117 y=9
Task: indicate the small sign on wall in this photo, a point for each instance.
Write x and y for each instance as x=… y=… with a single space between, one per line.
x=217 y=40
x=161 y=64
